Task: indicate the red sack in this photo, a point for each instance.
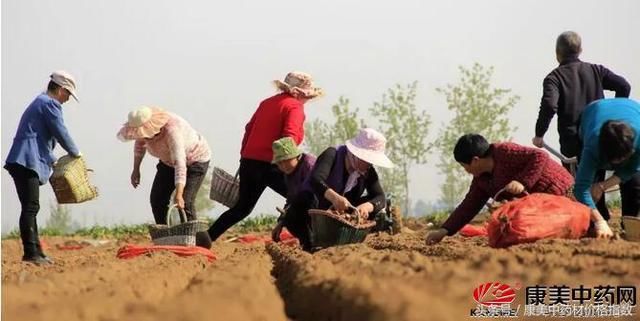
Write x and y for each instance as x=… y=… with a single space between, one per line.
x=535 y=217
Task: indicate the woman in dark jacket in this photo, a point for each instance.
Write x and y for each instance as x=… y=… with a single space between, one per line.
x=338 y=180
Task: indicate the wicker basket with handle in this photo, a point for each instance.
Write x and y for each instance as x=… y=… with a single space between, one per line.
x=183 y=234
x=70 y=181
x=225 y=188
x=332 y=228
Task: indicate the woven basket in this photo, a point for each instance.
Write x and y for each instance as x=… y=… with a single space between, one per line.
x=330 y=228
x=225 y=188
x=183 y=234
x=631 y=228
x=70 y=181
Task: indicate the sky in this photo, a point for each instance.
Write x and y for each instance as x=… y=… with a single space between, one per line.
x=212 y=62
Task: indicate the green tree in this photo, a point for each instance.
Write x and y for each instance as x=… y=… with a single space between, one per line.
x=406 y=131
x=59 y=219
x=478 y=108
x=345 y=124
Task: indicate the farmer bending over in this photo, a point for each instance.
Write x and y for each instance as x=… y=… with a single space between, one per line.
x=184 y=159
x=609 y=131
x=296 y=167
x=339 y=178
x=496 y=166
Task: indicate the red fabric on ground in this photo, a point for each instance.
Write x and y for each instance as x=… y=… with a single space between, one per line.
x=131 y=250
x=285 y=238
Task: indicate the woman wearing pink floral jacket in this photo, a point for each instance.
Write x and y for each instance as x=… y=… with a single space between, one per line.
x=184 y=160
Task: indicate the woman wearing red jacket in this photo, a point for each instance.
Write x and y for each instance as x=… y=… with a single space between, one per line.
x=278 y=116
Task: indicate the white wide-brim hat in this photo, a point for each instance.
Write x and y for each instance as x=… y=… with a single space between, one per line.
x=144 y=122
x=369 y=146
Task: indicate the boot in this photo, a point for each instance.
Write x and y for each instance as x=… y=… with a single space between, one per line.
x=31 y=242
x=203 y=240
x=39 y=247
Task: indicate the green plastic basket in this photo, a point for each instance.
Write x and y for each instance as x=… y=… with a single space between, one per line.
x=330 y=228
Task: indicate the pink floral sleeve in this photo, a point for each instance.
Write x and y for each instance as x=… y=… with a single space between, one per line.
x=178 y=155
x=139 y=149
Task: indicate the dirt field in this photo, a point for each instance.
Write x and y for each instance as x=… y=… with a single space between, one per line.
x=386 y=278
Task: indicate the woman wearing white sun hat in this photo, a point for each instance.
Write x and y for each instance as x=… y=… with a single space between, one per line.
x=339 y=179
x=184 y=160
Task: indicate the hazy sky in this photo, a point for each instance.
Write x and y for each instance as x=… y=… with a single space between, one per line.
x=212 y=62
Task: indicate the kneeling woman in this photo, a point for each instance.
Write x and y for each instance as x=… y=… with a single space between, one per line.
x=496 y=166
x=184 y=160
x=338 y=180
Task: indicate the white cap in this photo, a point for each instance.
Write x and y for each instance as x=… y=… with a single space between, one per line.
x=66 y=81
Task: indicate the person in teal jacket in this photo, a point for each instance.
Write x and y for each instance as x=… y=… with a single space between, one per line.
x=610 y=132
x=31 y=156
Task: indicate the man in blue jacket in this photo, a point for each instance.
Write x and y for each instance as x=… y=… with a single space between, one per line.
x=610 y=132
x=31 y=156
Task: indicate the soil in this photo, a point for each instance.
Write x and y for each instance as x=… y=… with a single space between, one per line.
x=386 y=278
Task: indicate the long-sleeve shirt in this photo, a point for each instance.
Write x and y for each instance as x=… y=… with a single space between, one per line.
x=177 y=145
x=41 y=126
x=296 y=179
x=331 y=164
x=568 y=89
x=594 y=116
x=278 y=116
x=532 y=167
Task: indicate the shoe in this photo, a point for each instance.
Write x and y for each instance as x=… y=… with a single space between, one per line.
x=37 y=260
x=47 y=258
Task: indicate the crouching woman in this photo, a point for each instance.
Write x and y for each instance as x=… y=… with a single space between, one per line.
x=296 y=167
x=338 y=180
x=609 y=130
x=498 y=166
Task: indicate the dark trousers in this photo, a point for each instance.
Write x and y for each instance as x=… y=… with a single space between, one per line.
x=297 y=219
x=255 y=176
x=164 y=185
x=28 y=189
x=630 y=196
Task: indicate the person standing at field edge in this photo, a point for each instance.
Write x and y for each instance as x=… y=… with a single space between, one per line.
x=567 y=90
x=30 y=159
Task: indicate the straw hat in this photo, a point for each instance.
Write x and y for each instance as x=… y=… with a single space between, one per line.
x=299 y=84
x=369 y=146
x=145 y=122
